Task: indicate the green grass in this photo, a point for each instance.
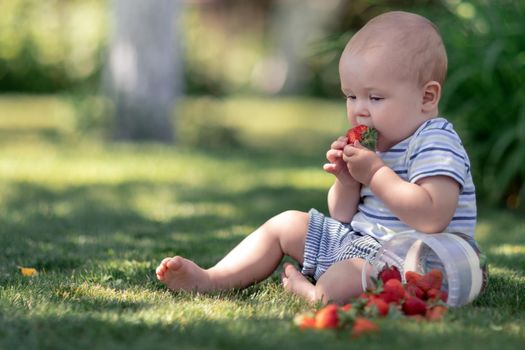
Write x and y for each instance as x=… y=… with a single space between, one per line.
x=95 y=219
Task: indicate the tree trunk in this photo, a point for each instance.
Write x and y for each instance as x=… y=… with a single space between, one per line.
x=296 y=25
x=143 y=73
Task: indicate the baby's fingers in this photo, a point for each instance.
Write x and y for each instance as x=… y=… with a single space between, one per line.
x=334 y=168
x=330 y=168
x=340 y=143
x=333 y=155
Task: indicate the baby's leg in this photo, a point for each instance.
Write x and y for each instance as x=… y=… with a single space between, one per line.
x=252 y=260
x=340 y=283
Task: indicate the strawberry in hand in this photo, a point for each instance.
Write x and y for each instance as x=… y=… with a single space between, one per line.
x=365 y=135
x=359 y=154
x=336 y=165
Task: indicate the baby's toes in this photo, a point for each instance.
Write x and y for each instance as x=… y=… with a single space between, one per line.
x=284 y=279
x=165 y=261
x=285 y=282
x=162 y=268
x=289 y=270
x=160 y=271
x=176 y=264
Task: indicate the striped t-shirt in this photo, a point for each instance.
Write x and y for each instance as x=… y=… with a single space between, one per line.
x=434 y=149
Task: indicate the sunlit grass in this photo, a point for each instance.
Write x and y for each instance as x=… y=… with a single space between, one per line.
x=509 y=250
x=35 y=112
x=96 y=218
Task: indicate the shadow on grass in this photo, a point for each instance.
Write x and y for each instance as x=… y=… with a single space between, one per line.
x=504 y=293
x=74 y=227
x=92 y=330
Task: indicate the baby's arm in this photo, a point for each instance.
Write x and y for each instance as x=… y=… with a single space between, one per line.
x=427 y=205
x=343 y=200
x=343 y=196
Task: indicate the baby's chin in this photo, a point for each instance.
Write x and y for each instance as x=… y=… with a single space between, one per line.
x=384 y=145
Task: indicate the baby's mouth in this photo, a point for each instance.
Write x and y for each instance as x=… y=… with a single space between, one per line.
x=365 y=121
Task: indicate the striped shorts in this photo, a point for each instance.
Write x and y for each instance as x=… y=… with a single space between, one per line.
x=329 y=241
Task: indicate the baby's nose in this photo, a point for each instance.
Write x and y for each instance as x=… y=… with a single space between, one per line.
x=361 y=109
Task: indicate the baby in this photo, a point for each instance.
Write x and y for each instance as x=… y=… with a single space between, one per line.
x=392 y=72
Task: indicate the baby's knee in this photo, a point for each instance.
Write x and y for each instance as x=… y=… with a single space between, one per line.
x=289 y=230
x=287 y=219
x=333 y=293
x=291 y=215
x=341 y=282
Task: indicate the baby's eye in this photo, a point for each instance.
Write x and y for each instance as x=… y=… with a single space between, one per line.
x=348 y=96
x=376 y=98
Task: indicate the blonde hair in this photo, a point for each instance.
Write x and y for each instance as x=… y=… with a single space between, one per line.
x=411 y=41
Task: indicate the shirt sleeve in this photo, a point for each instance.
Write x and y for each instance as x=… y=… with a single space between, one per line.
x=437 y=152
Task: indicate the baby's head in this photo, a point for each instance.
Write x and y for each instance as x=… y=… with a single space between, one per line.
x=409 y=43
x=391 y=72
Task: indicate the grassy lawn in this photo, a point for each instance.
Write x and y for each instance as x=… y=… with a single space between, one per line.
x=95 y=219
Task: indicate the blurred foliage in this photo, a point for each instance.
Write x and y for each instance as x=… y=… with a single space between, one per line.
x=293 y=125
x=201 y=124
x=230 y=45
x=91 y=114
x=51 y=45
x=485 y=92
x=224 y=42
x=58 y=45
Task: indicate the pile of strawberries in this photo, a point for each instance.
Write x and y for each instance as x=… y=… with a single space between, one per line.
x=420 y=298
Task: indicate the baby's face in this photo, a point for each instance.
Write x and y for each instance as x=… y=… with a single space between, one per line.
x=377 y=95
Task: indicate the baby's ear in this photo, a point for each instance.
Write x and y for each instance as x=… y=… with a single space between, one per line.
x=431 y=96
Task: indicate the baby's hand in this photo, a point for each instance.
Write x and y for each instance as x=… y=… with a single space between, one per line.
x=337 y=166
x=361 y=162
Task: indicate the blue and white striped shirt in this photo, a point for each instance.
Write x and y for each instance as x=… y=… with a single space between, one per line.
x=434 y=149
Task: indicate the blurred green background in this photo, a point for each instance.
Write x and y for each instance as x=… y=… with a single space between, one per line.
x=243 y=62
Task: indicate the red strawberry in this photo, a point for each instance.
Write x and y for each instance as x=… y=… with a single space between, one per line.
x=365 y=296
x=304 y=321
x=444 y=296
x=356 y=133
x=415 y=291
x=436 y=313
x=412 y=277
x=433 y=293
x=414 y=306
x=365 y=135
x=327 y=317
x=346 y=307
x=388 y=297
x=436 y=276
x=362 y=326
x=389 y=272
x=379 y=304
x=431 y=279
x=394 y=290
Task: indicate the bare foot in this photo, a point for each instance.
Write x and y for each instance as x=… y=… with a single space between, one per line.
x=295 y=282
x=179 y=274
